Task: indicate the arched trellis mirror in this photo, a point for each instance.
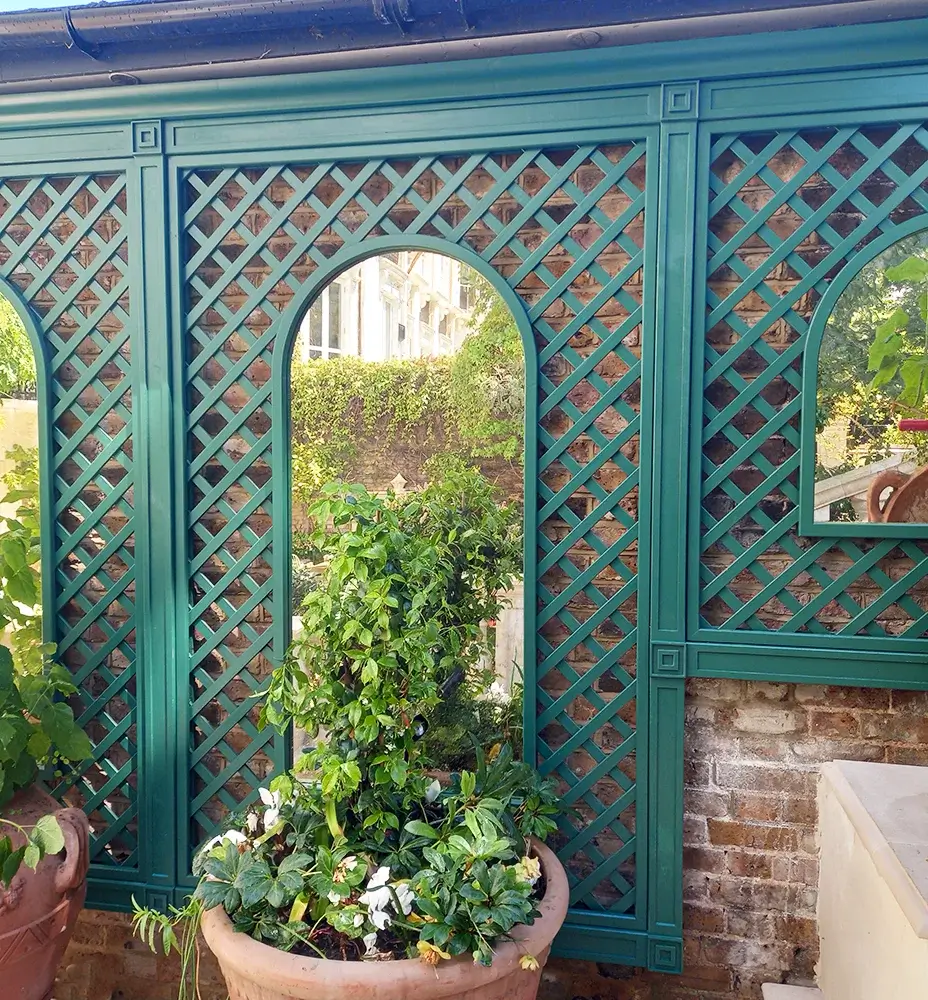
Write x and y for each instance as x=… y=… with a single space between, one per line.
x=407 y=384
x=865 y=413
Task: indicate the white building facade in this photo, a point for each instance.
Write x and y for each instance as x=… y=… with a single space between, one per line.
x=407 y=304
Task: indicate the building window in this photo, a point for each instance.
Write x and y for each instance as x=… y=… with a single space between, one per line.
x=321 y=333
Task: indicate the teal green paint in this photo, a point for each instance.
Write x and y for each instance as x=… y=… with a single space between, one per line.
x=158 y=740
x=799 y=665
x=678 y=100
x=665 y=654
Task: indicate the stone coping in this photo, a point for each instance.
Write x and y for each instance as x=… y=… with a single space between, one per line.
x=773 y=991
x=888 y=806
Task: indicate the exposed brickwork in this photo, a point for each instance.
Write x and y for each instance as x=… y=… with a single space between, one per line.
x=751 y=870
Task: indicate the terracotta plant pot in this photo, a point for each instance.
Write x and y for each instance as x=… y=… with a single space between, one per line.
x=908 y=501
x=39 y=910
x=255 y=971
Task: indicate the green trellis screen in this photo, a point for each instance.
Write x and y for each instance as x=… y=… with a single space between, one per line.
x=663 y=246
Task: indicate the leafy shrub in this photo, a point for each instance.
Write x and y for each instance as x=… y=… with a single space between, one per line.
x=359 y=852
x=37 y=727
x=304 y=579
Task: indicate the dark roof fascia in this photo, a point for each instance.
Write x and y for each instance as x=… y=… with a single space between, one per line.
x=194 y=39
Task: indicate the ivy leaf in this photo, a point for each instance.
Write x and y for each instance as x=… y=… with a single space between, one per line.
x=21 y=586
x=47 y=835
x=58 y=722
x=912 y=269
x=32 y=856
x=11 y=862
x=914 y=374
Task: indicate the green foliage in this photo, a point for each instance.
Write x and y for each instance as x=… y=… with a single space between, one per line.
x=873 y=364
x=159 y=932
x=359 y=852
x=474 y=715
x=471 y=404
x=17 y=361
x=409 y=582
x=37 y=728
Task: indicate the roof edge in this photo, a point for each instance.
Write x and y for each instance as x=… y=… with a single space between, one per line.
x=704 y=26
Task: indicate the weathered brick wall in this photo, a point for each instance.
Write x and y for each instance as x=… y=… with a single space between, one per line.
x=751 y=870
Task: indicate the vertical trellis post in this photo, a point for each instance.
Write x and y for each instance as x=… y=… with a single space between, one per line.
x=667 y=655
x=154 y=408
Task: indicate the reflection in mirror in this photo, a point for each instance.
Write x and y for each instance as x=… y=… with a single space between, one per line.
x=408 y=381
x=871 y=461
x=20 y=602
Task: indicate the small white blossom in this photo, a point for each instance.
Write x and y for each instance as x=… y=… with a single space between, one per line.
x=252 y=822
x=379 y=878
x=334 y=897
x=229 y=837
x=351 y=862
x=380 y=919
x=272 y=801
x=433 y=791
x=370 y=943
x=405 y=896
x=359 y=919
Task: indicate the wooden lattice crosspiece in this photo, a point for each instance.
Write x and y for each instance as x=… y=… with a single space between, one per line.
x=787 y=210
x=64 y=245
x=565 y=229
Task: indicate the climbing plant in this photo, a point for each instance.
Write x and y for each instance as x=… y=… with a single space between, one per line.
x=470 y=404
x=17 y=362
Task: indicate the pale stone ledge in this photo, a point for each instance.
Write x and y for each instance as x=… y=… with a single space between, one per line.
x=772 y=991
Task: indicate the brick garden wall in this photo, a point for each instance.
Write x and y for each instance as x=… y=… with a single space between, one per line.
x=750 y=857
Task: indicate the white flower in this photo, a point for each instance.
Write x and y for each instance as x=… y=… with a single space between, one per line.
x=229 y=837
x=370 y=943
x=433 y=791
x=272 y=801
x=379 y=878
x=380 y=919
x=376 y=899
x=351 y=862
x=359 y=919
x=405 y=896
x=252 y=820
x=334 y=897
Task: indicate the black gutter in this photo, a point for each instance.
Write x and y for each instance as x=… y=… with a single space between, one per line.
x=160 y=39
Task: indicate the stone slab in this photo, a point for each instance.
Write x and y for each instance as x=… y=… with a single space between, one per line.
x=774 y=991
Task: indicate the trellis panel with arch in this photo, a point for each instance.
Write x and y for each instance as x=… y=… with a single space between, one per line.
x=663 y=231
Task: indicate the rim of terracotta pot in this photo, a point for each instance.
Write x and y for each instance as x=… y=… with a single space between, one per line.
x=304 y=977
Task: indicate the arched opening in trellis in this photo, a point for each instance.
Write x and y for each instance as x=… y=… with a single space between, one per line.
x=407 y=380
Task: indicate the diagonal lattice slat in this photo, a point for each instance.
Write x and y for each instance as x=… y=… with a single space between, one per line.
x=565 y=229
x=64 y=244
x=787 y=210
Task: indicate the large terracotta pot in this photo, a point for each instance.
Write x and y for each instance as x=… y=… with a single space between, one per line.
x=39 y=910
x=255 y=971
x=908 y=501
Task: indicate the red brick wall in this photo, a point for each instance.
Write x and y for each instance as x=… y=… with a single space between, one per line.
x=752 y=754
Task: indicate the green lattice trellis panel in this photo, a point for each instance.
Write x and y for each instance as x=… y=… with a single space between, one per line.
x=64 y=245
x=787 y=210
x=565 y=229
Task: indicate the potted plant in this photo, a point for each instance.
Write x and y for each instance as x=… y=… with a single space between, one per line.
x=361 y=874
x=38 y=732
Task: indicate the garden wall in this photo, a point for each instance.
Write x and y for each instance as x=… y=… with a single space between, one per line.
x=751 y=869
